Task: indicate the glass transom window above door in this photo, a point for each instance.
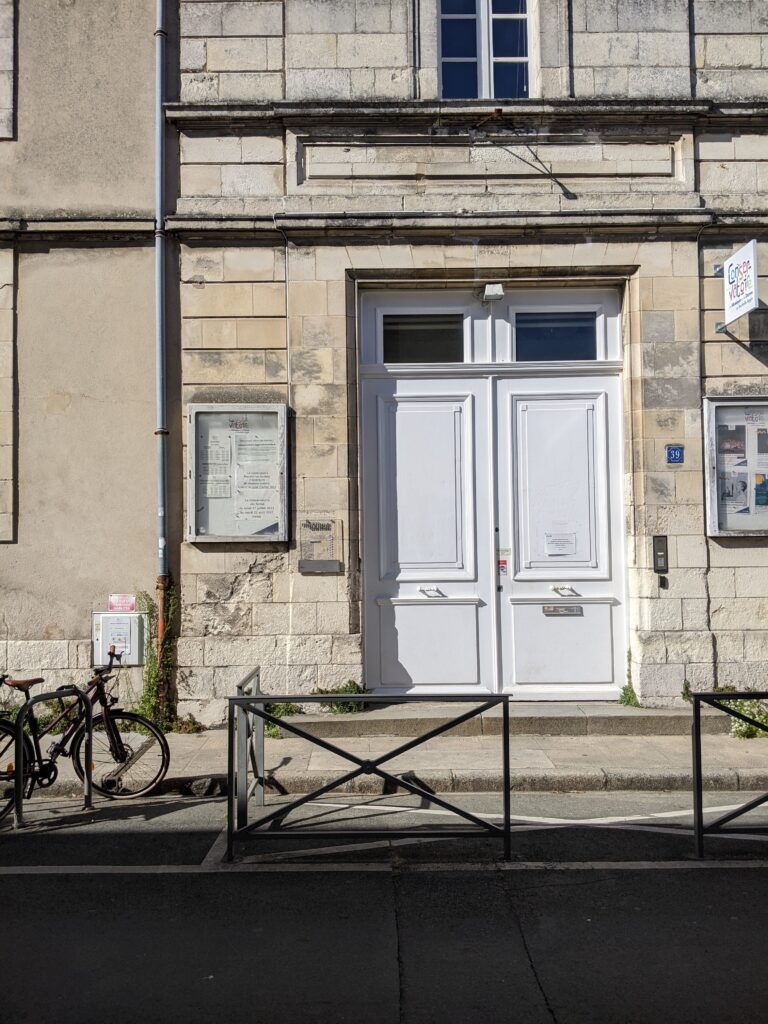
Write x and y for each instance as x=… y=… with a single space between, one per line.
x=545 y=326
x=484 y=49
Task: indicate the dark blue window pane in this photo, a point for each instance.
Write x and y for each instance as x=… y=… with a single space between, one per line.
x=459 y=37
x=460 y=80
x=424 y=338
x=546 y=336
x=459 y=7
x=510 y=38
x=510 y=81
x=508 y=7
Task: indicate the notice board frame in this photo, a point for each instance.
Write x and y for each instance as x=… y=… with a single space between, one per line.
x=711 y=406
x=194 y=410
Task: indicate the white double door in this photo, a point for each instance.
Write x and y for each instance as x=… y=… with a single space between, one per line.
x=492 y=535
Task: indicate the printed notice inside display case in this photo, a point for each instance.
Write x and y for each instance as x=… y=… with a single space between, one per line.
x=737 y=467
x=237 y=473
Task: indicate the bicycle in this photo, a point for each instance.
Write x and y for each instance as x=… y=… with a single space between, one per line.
x=130 y=755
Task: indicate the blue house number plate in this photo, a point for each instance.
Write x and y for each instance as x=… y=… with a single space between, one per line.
x=675 y=454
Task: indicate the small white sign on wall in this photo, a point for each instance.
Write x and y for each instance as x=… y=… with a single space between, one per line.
x=740 y=283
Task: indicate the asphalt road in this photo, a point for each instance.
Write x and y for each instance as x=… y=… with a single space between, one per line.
x=126 y=914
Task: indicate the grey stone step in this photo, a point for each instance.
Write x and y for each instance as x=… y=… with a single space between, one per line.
x=594 y=718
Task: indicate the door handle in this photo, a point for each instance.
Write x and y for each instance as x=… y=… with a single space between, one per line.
x=431 y=592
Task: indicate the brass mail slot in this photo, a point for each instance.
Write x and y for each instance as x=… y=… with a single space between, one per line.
x=562 y=609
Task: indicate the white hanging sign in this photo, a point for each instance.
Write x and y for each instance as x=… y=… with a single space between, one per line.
x=740 y=282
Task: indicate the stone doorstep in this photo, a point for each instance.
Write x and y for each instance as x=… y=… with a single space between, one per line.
x=598 y=718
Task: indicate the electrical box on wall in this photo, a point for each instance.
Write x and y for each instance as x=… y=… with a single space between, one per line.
x=126 y=630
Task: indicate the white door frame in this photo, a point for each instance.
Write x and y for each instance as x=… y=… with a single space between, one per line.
x=488 y=345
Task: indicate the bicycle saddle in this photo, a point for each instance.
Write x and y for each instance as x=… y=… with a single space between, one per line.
x=23 y=684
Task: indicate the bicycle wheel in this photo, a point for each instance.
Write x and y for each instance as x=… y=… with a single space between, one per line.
x=146 y=761
x=8 y=767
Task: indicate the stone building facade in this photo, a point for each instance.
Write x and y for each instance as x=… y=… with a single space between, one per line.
x=317 y=168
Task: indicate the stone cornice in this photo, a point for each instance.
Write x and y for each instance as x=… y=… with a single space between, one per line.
x=485 y=228
x=466 y=115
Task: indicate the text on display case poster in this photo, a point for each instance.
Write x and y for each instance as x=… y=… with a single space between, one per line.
x=239 y=480
x=741 y=467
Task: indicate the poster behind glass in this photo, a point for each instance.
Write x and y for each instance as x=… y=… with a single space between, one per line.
x=741 y=467
x=239 y=478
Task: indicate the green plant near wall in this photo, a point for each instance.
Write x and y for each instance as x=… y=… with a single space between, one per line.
x=279 y=710
x=341 y=707
x=757 y=709
x=157 y=666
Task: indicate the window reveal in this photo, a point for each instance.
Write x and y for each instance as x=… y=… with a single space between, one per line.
x=484 y=49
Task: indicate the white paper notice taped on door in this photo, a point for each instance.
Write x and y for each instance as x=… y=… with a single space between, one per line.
x=559 y=544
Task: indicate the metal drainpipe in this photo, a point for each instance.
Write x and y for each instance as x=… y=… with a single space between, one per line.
x=161 y=430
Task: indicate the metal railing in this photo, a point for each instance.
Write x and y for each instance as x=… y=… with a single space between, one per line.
x=247 y=773
x=719 y=700
x=23 y=772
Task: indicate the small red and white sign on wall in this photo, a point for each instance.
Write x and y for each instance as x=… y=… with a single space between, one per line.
x=121 y=603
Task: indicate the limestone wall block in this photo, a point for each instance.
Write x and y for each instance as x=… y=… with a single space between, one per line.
x=210 y=149
x=201 y=264
x=275 y=367
x=262 y=149
x=324 y=83
x=192 y=54
x=756 y=645
x=318 y=461
x=659 y=613
x=695 y=613
x=33 y=656
x=309 y=650
x=218 y=333
x=648 y=648
x=688 y=647
x=208 y=711
x=319 y=16
x=329 y=676
x=333 y=618
x=241 y=366
x=250 y=86
x=249 y=264
x=658 y=680
x=326 y=494
x=746 y=552
x=722 y=15
x=729 y=646
x=246 y=651
x=252 y=180
x=310 y=50
x=751 y=582
x=224 y=619
x=724 y=51
x=658 y=82
x=189 y=652
x=288 y=679
x=727 y=177
x=259 y=18
x=200 y=19
x=743 y=676
x=237 y=55
x=320 y=399
x=664 y=15
x=222 y=300
x=197 y=180
x=294 y=587
x=199 y=88
x=692 y=552
x=264 y=332
x=746 y=613
x=610 y=49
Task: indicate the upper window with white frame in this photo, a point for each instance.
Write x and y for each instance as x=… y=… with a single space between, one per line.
x=484 y=49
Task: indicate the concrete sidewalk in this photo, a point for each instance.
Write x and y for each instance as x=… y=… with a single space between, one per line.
x=473 y=763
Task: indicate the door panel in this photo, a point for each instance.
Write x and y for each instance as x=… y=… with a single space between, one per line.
x=561 y=608
x=562 y=499
x=429 y=602
x=429 y=533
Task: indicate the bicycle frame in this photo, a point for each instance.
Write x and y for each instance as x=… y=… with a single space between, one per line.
x=95 y=692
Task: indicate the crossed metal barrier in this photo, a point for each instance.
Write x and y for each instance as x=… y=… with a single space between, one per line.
x=246 y=770
x=719 y=700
